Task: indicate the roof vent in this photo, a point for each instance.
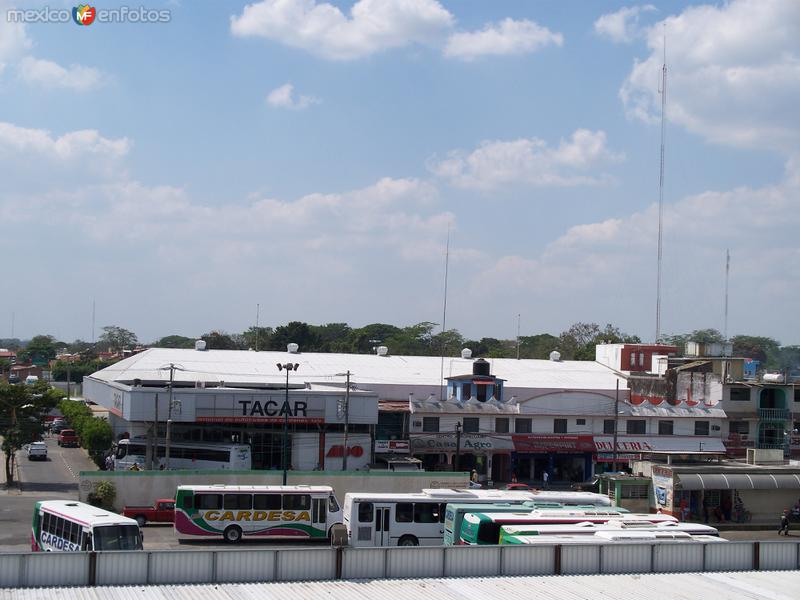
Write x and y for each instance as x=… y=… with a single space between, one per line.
x=466 y=353
x=292 y=348
x=555 y=356
x=200 y=345
x=382 y=350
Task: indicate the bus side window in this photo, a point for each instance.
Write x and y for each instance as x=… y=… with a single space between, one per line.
x=404 y=512
x=333 y=505
x=442 y=511
x=208 y=501
x=365 y=512
x=296 y=502
x=46 y=522
x=424 y=512
x=267 y=502
x=188 y=502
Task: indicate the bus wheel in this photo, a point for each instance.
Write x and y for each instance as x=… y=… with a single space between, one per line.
x=408 y=540
x=232 y=534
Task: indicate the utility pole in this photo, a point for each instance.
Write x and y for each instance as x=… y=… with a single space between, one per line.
x=616 y=425
x=154 y=448
x=346 y=420
x=458 y=447
x=285 y=453
x=169 y=413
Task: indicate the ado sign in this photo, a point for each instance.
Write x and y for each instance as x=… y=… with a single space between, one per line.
x=337 y=451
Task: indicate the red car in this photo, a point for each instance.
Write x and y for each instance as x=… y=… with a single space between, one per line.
x=162 y=512
x=68 y=437
x=519 y=487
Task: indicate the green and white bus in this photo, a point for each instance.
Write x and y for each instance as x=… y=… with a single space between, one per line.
x=484 y=528
x=255 y=511
x=607 y=536
x=454 y=514
x=69 y=526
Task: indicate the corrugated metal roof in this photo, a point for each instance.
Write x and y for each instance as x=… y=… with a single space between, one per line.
x=774 y=585
x=244 y=366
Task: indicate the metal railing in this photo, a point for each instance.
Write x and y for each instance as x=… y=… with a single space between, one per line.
x=774 y=414
x=320 y=564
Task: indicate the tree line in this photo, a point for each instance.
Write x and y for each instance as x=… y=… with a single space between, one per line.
x=575 y=343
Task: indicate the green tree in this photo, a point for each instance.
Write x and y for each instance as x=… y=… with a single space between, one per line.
x=96 y=436
x=257 y=338
x=22 y=412
x=579 y=341
x=333 y=337
x=365 y=339
x=117 y=339
x=537 y=346
x=175 y=341
x=219 y=340
x=77 y=370
x=10 y=343
x=763 y=349
x=40 y=349
x=295 y=332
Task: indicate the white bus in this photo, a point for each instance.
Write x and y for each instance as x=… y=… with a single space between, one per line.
x=183 y=455
x=259 y=511
x=412 y=519
x=69 y=526
x=609 y=536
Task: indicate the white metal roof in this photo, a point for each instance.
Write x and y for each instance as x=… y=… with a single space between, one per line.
x=249 y=367
x=748 y=585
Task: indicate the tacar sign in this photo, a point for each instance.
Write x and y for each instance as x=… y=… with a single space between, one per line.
x=337 y=451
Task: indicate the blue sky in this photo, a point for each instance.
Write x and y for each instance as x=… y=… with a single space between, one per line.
x=310 y=156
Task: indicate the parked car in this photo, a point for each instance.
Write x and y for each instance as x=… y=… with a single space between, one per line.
x=519 y=487
x=58 y=425
x=68 y=437
x=163 y=511
x=37 y=451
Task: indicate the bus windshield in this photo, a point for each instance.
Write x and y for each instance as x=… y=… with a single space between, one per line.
x=117 y=537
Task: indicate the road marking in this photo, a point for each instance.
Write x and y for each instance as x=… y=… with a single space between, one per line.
x=66 y=464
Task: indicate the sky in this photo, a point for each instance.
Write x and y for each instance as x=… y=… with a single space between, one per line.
x=310 y=157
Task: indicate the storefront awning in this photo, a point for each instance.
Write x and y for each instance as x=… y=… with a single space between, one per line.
x=737 y=481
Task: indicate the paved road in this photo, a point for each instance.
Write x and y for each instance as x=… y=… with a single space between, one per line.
x=59 y=473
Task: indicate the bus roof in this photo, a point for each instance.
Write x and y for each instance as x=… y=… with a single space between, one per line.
x=261 y=489
x=568 y=512
x=86 y=514
x=617 y=525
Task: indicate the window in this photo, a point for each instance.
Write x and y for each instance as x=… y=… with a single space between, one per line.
x=482 y=393
x=665 y=427
x=701 y=427
x=237 y=502
x=559 y=426
x=522 y=425
x=208 y=501
x=296 y=502
x=641 y=359
x=430 y=424
x=635 y=491
x=466 y=391
x=741 y=394
x=633 y=359
x=267 y=502
x=740 y=427
x=608 y=426
x=333 y=505
x=580 y=421
x=636 y=426
x=471 y=424
x=501 y=425
x=365 y=512
x=426 y=512
x=797 y=394
x=404 y=512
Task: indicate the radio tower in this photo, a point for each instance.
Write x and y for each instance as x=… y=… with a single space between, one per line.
x=663 y=92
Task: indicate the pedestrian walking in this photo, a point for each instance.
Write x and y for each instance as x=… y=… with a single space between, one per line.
x=784 y=523
x=545 y=479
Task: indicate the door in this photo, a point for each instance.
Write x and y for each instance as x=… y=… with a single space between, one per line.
x=381 y=525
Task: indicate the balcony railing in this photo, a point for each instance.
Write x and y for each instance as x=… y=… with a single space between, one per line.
x=774 y=414
x=770 y=446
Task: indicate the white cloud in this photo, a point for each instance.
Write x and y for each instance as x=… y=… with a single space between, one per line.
x=734 y=74
x=622 y=26
x=285 y=97
x=322 y=29
x=52 y=75
x=616 y=259
x=509 y=37
x=14 y=40
x=82 y=144
x=529 y=161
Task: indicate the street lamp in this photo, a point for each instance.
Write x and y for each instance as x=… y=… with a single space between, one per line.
x=346 y=416
x=285 y=453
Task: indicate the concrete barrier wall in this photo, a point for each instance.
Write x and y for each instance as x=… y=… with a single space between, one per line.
x=143 y=487
x=292 y=564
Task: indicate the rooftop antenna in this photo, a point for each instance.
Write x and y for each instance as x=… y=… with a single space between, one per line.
x=444 y=314
x=727 y=278
x=663 y=92
x=258 y=309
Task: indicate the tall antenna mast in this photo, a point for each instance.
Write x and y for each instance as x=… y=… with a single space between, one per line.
x=519 y=316
x=727 y=278
x=444 y=313
x=663 y=92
